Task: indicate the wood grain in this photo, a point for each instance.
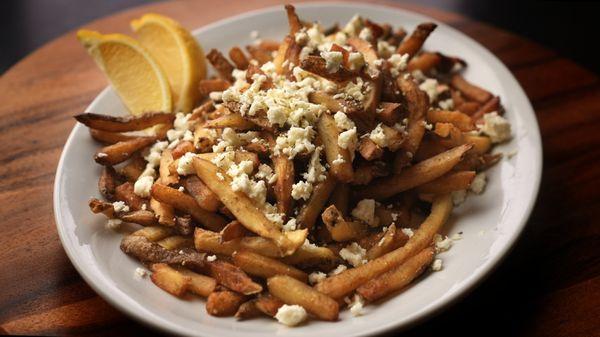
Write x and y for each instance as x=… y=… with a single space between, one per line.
x=549 y=284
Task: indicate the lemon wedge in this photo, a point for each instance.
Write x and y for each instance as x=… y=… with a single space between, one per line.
x=135 y=75
x=177 y=52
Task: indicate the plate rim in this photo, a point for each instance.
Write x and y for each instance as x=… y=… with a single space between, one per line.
x=434 y=308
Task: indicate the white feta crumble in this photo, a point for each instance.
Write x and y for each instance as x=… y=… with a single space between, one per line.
x=216 y=96
x=339 y=160
x=291 y=315
x=290 y=225
x=442 y=244
x=356 y=60
x=385 y=49
x=398 y=63
x=316 y=277
x=113 y=223
x=301 y=190
x=144 y=207
x=181 y=189
x=143 y=185
x=366 y=34
x=254 y=34
x=446 y=104
x=353 y=26
x=184 y=164
x=220 y=176
x=294 y=141
x=340 y=268
x=478 y=183
x=101 y=155
x=408 y=232
x=348 y=139
x=120 y=206
x=354 y=254
x=458 y=197
x=356 y=305
x=456 y=236
x=430 y=87
x=436 y=265
x=140 y=273
x=496 y=127
x=378 y=137
x=333 y=60
x=365 y=211
x=342 y=121
x=211 y=258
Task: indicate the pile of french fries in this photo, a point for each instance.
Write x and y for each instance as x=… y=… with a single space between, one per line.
x=366 y=227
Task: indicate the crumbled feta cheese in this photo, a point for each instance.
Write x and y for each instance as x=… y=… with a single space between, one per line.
x=446 y=104
x=365 y=211
x=291 y=315
x=181 y=189
x=316 y=277
x=294 y=141
x=290 y=225
x=113 y=223
x=354 y=26
x=211 y=258
x=254 y=34
x=143 y=185
x=343 y=122
x=301 y=190
x=340 y=268
x=266 y=172
x=398 y=63
x=384 y=49
x=442 y=244
x=496 y=127
x=478 y=183
x=430 y=87
x=220 y=176
x=457 y=236
x=101 y=155
x=348 y=139
x=339 y=160
x=356 y=305
x=316 y=170
x=408 y=232
x=378 y=137
x=333 y=60
x=436 y=265
x=354 y=254
x=301 y=37
x=366 y=34
x=216 y=96
x=184 y=164
x=458 y=197
x=144 y=207
x=276 y=115
x=356 y=61
x=120 y=206
x=140 y=273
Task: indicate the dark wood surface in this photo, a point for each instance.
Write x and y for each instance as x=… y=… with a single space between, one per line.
x=548 y=286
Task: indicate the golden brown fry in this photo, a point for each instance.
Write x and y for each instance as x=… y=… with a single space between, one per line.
x=200 y=285
x=176 y=242
x=470 y=90
x=457 y=118
x=398 y=277
x=126 y=123
x=394 y=138
x=108 y=183
x=259 y=54
x=223 y=303
x=293 y=20
x=238 y=57
x=153 y=233
x=450 y=182
x=481 y=144
x=247 y=310
x=124 y=192
x=166 y=177
x=366 y=172
x=203 y=195
x=133 y=168
x=245 y=210
x=169 y=279
x=389 y=113
x=265 y=267
x=312 y=208
x=292 y=291
x=232 y=120
x=268 y=304
x=490 y=106
x=141 y=217
x=284 y=169
x=188 y=204
x=107 y=137
x=415 y=41
x=233 y=278
x=340 y=197
x=424 y=62
x=469 y=107
x=182 y=148
x=329 y=133
x=340 y=229
x=317 y=65
x=209 y=85
x=416 y=175
x=392 y=239
x=366 y=48
x=121 y=151
x=368 y=150
x=221 y=65
x=233 y=230
x=184 y=225
x=342 y=284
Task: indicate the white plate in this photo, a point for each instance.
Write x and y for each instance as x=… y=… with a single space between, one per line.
x=490 y=223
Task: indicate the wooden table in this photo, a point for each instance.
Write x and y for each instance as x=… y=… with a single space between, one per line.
x=549 y=285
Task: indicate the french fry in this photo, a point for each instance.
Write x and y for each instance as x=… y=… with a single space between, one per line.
x=470 y=90
x=126 y=123
x=124 y=192
x=342 y=284
x=247 y=310
x=340 y=229
x=369 y=150
x=107 y=137
x=293 y=20
x=398 y=277
x=424 y=62
x=318 y=66
x=284 y=169
x=469 y=107
x=389 y=113
x=490 y=106
x=269 y=305
x=329 y=133
x=310 y=211
x=201 y=193
x=175 y=242
x=457 y=118
x=184 y=225
x=365 y=173
x=108 y=182
x=340 y=197
x=133 y=168
x=292 y=291
x=140 y=217
x=233 y=278
x=481 y=144
x=169 y=279
x=232 y=120
x=214 y=84
x=233 y=230
x=391 y=240
x=366 y=48
x=238 y=57
x=121 y=151
x=394 y=137
x=416 y=175
x=245 y=211
x=200 y=285
x=188 y=204
x=153 y=233
x=259 y=54
x=182 y=148
x=415 y=41
x=223 y=303
x=265 y=267
x=450 y=182
x=220 y=63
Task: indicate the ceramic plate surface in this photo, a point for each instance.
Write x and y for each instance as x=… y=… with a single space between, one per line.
x=490 y=223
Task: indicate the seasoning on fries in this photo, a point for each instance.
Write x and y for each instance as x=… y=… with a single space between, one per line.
x=296 y=183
